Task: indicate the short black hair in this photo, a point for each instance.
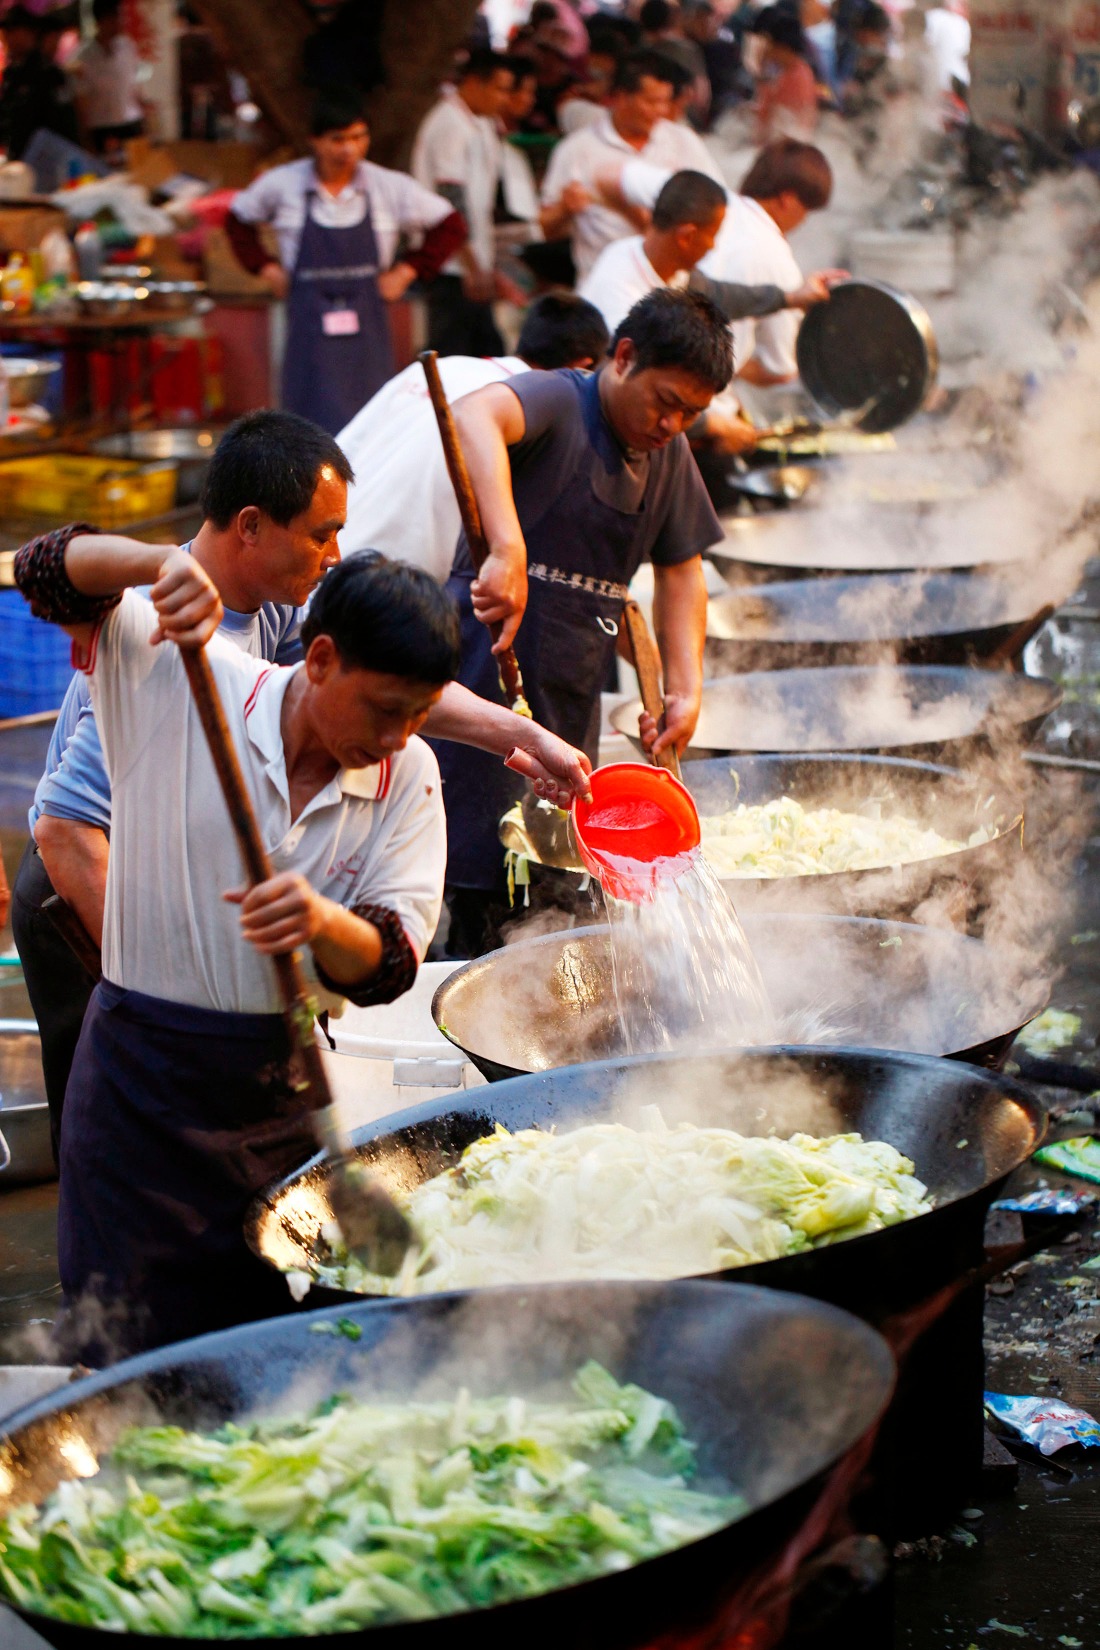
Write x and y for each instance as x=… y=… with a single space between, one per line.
x=670 y=328
x=271 y=460
x=635 y=67
x=656 y=15
x=522 y=66
x=782 y=29
x=687 y=197
x=483 y=63
x=387 y=616
x=335 y=108
x=874 y=19
x=786 y=165
x=606 y=27
x=561 y=328
x=21 y=17
x=102 y=9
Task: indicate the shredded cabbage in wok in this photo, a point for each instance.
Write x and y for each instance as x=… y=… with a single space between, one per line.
x=361 y=1514
x=608 y=1201
x=781 y=838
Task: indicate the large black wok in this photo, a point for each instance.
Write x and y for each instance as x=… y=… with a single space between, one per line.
x=940 y=712
x=550 y=1001
x=951 y=802
x=774 y=1389
x=965 y=1130
x=916 y=618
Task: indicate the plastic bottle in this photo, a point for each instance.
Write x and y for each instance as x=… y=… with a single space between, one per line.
x=89 y=251
x=17 y=284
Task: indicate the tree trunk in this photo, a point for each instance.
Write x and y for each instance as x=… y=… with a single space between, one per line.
x=419 y=40
x=264 y=40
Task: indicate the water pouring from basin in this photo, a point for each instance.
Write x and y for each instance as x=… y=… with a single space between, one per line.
x=684 y=974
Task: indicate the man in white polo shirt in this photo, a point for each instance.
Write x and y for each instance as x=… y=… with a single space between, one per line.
x=635 y=125
x=180 y=1105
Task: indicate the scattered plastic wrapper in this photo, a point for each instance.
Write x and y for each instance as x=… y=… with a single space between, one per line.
x=1080 y=1156
x=1048 y=1200
x=1045 y=1422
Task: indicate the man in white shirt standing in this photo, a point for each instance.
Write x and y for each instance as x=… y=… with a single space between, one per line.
x=457 y=154
x=405 y=505
x=635 y=125
x=106 y=74
x=181 y=1102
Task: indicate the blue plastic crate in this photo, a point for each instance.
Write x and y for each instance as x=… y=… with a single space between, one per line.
x=35 y=659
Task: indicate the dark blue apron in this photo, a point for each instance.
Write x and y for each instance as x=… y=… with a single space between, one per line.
x=329 y=377
x=581 y=555
x=174 y=1118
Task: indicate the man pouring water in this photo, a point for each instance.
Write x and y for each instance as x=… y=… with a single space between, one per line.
x=579 y=478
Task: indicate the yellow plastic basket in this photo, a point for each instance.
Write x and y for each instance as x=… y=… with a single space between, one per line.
x=69 y=486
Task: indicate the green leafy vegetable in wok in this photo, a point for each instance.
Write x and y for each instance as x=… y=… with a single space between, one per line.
x=610 y=1201
x=361 y=1514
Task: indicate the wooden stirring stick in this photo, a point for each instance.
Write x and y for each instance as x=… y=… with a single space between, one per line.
x=647 y=665
x=511 y=681
x=372 y=1225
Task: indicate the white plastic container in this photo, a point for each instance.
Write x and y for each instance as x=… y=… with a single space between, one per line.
x=391 y=1057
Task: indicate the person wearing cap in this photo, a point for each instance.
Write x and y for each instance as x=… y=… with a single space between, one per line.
x=405 y=504
x=183 y=1100
x=338 y=220
x=578 y=478
x=274 y=502
x=635 y=124
x=34 y=94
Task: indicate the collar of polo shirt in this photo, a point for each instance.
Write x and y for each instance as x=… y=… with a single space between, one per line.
x=263 y=720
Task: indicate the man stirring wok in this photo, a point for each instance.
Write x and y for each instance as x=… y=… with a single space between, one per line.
x=274 y=503
x=578 y=478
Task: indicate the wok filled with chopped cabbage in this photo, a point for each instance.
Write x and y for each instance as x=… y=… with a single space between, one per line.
x=866 y=834
x=531 y=1456
x=614 y=1201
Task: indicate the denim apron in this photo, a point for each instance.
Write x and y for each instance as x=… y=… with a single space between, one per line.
x=338 y=345
x=581 y=555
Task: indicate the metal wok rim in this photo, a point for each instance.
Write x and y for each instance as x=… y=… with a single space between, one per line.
x=1011 y=817
x=968 y=582
x=1015 y=688
x=877 y=1361
x=933 y=1064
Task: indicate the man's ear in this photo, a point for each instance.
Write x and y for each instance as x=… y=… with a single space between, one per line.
x=248 y=523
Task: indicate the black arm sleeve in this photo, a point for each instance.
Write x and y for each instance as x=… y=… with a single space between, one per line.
x=737 y=302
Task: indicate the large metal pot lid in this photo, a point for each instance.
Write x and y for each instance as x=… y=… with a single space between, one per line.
x=872 y=348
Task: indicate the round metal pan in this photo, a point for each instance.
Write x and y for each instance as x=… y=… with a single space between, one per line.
x=772 y=1388
x=547 y=1002
x=951 y=802
x=190 y=447
x=870 y=353
x=939 y=712
x=918 y=618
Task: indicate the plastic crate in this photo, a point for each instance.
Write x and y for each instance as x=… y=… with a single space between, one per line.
x=35 y=659
x=68 y=487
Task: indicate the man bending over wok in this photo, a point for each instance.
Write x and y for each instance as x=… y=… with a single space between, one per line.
x=179 y=1106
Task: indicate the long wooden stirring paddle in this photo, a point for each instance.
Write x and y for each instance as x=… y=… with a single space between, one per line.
x=511 y=681
x=647 y=666
x=372 y=1225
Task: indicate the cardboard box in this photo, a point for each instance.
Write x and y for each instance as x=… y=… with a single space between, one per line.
x=22 y=228
x=221 y=165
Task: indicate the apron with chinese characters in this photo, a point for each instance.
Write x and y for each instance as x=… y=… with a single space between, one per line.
x=580 y=558
x=175 y=1117
x=338 y=345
